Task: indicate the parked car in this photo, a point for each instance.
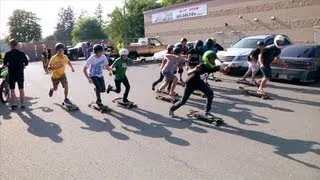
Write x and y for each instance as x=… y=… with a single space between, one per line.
x=160 y=55
x=238 y=53
x=303 y=62
x=75 y=52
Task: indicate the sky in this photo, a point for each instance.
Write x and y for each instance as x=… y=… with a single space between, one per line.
x=47 y=11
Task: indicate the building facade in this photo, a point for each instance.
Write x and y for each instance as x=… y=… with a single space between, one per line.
x=230 y=20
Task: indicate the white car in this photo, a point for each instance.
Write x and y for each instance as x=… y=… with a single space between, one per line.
x=238 y=54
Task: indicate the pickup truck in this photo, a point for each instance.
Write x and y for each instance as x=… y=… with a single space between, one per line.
x=143 y=48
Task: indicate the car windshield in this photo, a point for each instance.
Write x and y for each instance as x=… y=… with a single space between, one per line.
x=78 y=45
x=247 y=43
x=298 y=51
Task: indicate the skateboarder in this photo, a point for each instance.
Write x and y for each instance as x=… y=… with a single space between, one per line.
x=172 y=62
x=194 y=82
x=16 y=61
x=154 y=84
x=269 y=54
x=184 y=52
x=96 y=63
x=120 y=67
x=253 y=63
x=57 y=66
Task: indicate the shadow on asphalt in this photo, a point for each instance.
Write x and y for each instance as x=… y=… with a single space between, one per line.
x=95 y=124
x=283 y=147
x=38 y=126
x=153 y=130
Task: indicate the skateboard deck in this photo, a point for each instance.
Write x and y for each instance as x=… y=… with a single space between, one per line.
x=215 y=79
x=253 y=93
x=247 y=83
x=70 y=106
x=119 y=102
x=167 y=93
x=166 y=97
x=199 y=93
x=103 y=109
x=208 y=118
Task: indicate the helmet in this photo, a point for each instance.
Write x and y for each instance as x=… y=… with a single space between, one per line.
x=183 y=40
x=176 y=50
x=123 y=52
x=214 y=39
x=209 y=57
x=209 y=41
x=277 y=39
x=97 y=48
x=198 y=43
x=260 y=43
x=59 y=46
x=170 y=48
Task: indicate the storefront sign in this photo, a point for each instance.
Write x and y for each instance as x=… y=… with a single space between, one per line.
x=183 y=13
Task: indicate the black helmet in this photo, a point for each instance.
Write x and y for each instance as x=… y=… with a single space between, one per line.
x=260 y=43
x=183 y=40
x=198 y=43
x=176 y=50
x=170 y=48
x=59 y=46
x=209 y=41
x=97 y=48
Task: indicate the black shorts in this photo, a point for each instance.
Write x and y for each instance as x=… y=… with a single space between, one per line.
x=99 y=83
x=16 y=79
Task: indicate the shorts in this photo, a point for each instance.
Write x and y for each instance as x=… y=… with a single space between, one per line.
x=254 y=66
x=266 y=71
x=63 y=80
x=99 y=83
x=168 y=75
x=16 y=79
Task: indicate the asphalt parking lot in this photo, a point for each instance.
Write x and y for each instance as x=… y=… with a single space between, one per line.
x=263 y=139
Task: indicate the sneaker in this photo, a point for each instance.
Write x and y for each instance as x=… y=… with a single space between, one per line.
x=260 y=91
x=22 y=106
x=14 y=107
x=67 y=101
x=109 y=89
x=171 y=113
x=153 y=88
x=50 y=93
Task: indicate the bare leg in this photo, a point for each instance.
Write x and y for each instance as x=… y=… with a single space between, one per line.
x=13 y=97
x=66 y=90
x=163 y=85
x=174 y=84
x=21 y=96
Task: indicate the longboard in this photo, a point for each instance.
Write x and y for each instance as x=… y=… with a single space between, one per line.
x=70 y=106
x=103 y=109
x=247 y=83
x=166 y=97
x=253 y=93
x=167 y=93
x=208 y=118
x=119 y=102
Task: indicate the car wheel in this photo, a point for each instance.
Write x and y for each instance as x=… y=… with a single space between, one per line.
x=74 y=56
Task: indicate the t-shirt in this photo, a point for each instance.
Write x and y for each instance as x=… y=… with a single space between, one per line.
x=196 y=77
x=195 y=56
x=96 y=64
x=254 y=53
x=206 y=48
x=58 y=60
x=121 y=68
x=269 y=53
x=172 y=63
x=16 y=60
x=184 y=49
x=217 y=47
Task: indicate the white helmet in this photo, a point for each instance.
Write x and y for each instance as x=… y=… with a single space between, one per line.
x=277 y=39
x=123 y=52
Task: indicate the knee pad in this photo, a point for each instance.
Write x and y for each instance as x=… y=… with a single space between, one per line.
x=180 y=71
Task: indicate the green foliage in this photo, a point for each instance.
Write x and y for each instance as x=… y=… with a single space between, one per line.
x=116 y=27
x=87 y=28
x=83 y=14
x=98 y=13
x=166 y=3
x=24 y=26
x=65 y=25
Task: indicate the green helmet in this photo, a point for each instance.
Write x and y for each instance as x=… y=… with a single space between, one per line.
x=209 y=57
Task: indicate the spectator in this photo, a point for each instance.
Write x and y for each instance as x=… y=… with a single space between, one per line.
x=120 y=46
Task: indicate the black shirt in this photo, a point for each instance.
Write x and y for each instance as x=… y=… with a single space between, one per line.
x=195 y=56
x=195 y=77
x=269 y=53
x=110 y=48
x=184 y=49
x=16 y=60
x=217 y=47
x=254 y=53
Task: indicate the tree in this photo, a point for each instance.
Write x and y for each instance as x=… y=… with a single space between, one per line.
x=166 y=3
x=116 y=27
x=88 y=28
x=83 y=14
x=98 y=13
x=49 y=38
x=24 y=26
x=65 y=25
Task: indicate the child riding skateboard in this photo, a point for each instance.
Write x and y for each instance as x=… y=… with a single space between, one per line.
x=57 y=66
x=194 y=82
x=96 y=63
x=119 y=69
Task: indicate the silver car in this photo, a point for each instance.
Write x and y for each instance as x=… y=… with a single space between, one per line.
x=303 y=63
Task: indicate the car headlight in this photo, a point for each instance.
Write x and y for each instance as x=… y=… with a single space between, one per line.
x=241 y=58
